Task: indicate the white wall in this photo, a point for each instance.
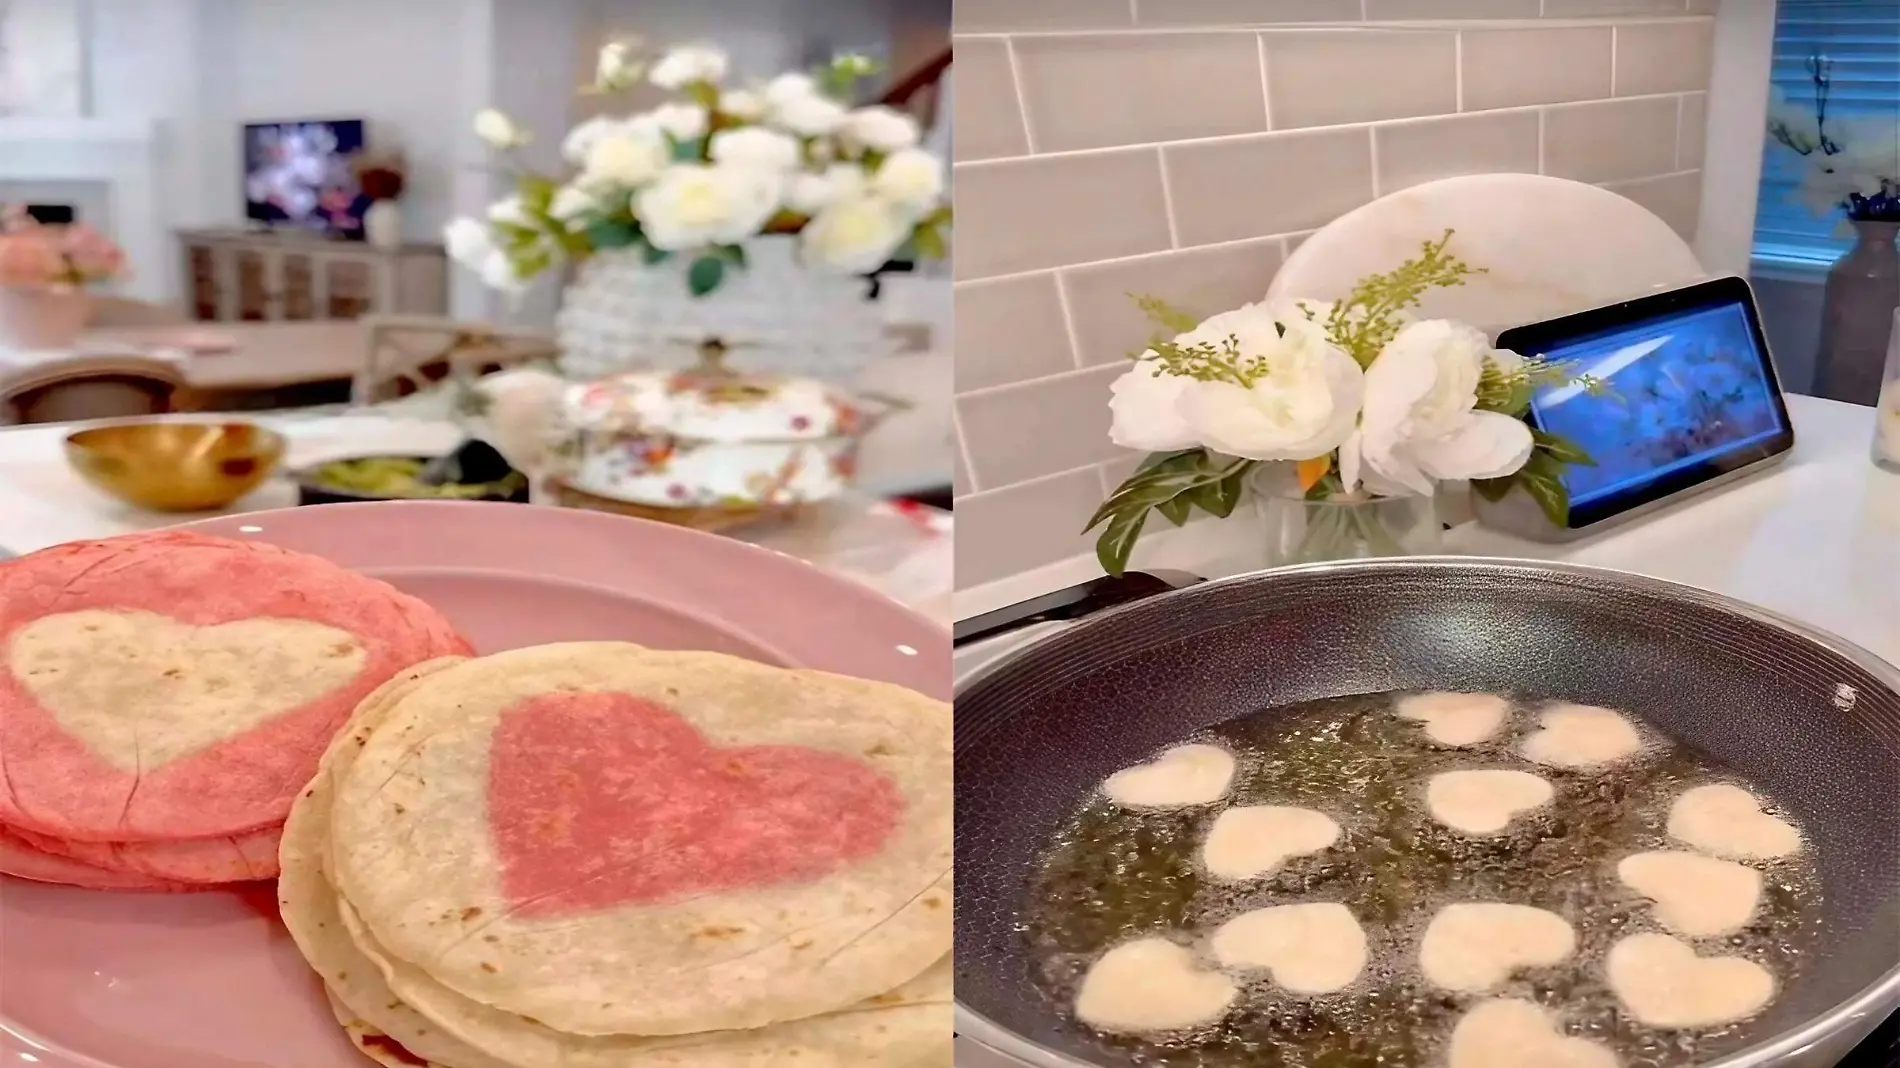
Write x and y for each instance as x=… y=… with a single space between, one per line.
x=1736 y=138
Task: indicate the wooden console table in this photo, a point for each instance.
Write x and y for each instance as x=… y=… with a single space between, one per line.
x=254 y=276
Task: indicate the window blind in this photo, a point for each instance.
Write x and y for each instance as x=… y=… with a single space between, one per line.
x=1862 y=38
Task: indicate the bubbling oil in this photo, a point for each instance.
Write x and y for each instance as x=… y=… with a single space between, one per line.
x=1113 y=874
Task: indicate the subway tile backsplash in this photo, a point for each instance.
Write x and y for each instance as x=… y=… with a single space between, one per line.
x=1183 y=148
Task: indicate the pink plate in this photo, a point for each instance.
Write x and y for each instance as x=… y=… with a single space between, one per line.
x=93 y=979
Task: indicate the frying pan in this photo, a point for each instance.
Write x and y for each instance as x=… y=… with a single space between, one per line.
x=1812 y=719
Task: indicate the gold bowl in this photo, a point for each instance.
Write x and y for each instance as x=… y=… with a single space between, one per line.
x=175 y=467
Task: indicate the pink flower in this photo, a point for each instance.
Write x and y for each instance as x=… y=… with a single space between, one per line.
x=27 y=258
x=63 y=256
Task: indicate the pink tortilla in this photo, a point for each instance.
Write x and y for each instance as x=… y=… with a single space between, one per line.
x=237 y=859
x=52 y=784
x=575 y=777
x=21 y=860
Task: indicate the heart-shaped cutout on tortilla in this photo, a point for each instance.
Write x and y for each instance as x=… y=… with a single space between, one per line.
x=141 y=690
x=1483 y=801
x=1695 y=896
x=1726 y=821
x=1510 y=1033
x=1456 y=719
x=597 y=800
x=1581 y=737
x=1184 y=775
x=1251 y=841
x=1662 y=983
x=1310 y=948
x=1150 y=986
x=1474 y=946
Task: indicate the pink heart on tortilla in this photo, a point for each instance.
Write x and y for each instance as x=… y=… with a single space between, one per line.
x=604 y=799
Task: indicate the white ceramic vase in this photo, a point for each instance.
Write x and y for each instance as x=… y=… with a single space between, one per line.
x=622 y=314
x=382 y=224
x=35 y=319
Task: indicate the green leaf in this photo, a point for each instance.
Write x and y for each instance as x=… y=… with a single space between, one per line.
x=1549 y=493
x=1122 y=516
x=705 y=94
x=1220 y=498
x=939 y=218
x=1494 y=489
x=651 y=255
x=906 y=252
x=733 y=254
x=929 y=243
x=537 y=192
x=1155 y=459
x=705 y=275
x=688 y=151
x=1176 y=510
x=612 y=233
x=1562 y=449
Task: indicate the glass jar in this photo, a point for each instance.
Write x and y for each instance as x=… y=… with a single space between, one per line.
x=1301 y=531
x=1887 y=409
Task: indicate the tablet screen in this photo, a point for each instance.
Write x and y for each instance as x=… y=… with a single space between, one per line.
x=1689 y=394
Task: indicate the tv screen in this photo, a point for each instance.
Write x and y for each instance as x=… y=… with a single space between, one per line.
x=298 y=175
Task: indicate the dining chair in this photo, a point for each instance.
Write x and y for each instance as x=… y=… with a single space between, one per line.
x=88 y=386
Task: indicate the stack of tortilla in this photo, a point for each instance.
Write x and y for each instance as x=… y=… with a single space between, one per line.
x=593 y=855
x=165 y=696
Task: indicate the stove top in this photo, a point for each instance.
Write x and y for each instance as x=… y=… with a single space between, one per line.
x=1880 y=1050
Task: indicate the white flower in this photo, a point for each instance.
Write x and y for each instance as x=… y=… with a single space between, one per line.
x=1145 y=405
x=811 y=192
x=912 y=178
x=755 y=146
x=498 y=272
x=794 y=103
x=683 y=121
x=468 y=241
x=855 y=236
x=583 y=137
x=742 y=104
x=689 y=65
x=624 y=158
x=571 y=202
x=1304 y=405
x=1421 y=423
x=498 y=129
x=618 y=68
x=509 y=212
x=884 y=129
x=692 y=204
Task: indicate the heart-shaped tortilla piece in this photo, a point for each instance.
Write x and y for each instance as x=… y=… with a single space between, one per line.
x=1310 y=948
x=1456 y=720
x=1253 y=841
x=171 y=685
x=1724 y=820
x=1581 y=738
x=1474 y=946
x=1151 y=986
x=421 y=815
x=1185 y=775
x=1663 y=983
x=1511 y=1033
x=1484 y=801
x=1695 y=896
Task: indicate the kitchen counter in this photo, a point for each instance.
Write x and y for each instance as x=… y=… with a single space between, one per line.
x=1816 y=538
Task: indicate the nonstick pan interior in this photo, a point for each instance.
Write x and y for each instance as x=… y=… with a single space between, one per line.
x=1815 y=722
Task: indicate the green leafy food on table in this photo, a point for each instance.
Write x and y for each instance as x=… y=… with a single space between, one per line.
x=400 y=477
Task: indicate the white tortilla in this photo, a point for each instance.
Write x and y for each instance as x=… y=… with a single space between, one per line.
x=1663 y=983
x=1250 y=841
x=1511 y=1033
x=1484 y=801
x=1309 y=948
x=1727 y=821
x=1581 y=737
x=1149 y=986
x=1456 y=720
x=1475 y=946
x=1695 y=896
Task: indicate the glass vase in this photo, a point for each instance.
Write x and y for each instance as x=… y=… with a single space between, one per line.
x=1863 y=291
x=1887 y=412
x=1302 y=531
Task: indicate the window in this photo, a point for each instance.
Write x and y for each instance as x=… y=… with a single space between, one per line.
x=1862 y=39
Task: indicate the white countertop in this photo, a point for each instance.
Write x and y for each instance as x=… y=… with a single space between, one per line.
x=43 y=502
x=1816 y=538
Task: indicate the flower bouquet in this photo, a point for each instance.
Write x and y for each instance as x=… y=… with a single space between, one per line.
x=702 y=175
x=1355 y=402
x=1850 y=163
x=44 y=271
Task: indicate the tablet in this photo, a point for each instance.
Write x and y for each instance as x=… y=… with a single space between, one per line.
x=1691 y=399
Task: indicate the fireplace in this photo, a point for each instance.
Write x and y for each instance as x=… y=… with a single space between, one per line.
x=104 y=173
x=52 y=214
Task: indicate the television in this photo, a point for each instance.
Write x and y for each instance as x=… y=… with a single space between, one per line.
x=299 y=175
